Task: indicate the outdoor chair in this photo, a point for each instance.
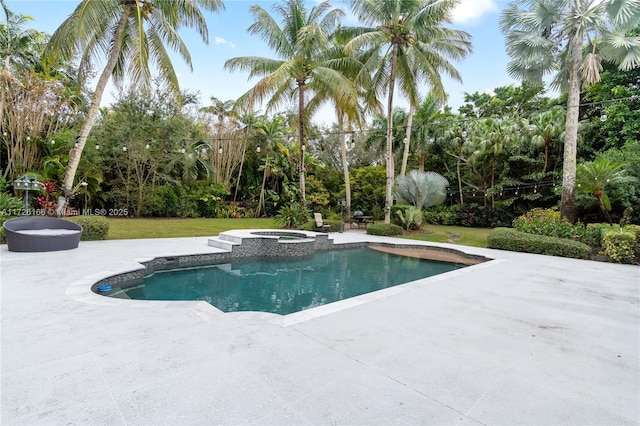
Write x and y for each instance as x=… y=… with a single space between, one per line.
x=319 y=225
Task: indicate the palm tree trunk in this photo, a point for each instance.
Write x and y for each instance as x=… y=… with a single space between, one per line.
x=568 y=207
x=92 y=114
x=345 y=165
x=407 y=142
x=390 y=169
x=303 y=197
x=458 y=163
x=264 y=180
x=244 y=151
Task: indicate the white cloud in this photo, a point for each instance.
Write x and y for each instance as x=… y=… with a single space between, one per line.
x=469 y=10
x=220 y=40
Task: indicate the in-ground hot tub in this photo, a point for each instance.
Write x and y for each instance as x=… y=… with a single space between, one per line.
x=37 y=233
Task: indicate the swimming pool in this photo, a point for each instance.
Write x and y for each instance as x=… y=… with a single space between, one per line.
x=285 y=285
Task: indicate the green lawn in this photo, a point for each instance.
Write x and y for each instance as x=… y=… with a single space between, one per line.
x=476 y=237
x=125 y=228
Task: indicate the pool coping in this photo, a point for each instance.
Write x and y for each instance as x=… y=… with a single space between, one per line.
x=82 y=290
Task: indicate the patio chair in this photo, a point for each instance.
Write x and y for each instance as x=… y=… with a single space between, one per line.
x=319 y=225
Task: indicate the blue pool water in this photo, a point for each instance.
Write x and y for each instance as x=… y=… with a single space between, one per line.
x=286 y=285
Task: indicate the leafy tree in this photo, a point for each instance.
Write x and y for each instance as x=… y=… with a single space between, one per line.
x=411 y=45
x=302 y=63
x=546 y=36
x=546 y=128
x=129 y=33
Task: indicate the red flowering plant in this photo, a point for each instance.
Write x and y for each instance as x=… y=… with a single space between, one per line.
x=49 y=202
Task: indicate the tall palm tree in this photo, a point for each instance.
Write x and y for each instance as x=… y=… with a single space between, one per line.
x=130 y=34
x=303 y=63
x=413 y=45
x=572 y=37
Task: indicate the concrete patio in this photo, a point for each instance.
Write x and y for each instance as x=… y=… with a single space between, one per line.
x=523 y=339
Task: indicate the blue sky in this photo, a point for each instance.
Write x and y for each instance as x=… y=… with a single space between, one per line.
x=482 y=71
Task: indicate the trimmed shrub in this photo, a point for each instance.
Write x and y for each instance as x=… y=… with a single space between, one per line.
x=384 y=229
x=593 y=234
x=439 y=216
x=619 y=246
x=548 y=222
x=93 y=227
x=511 y=239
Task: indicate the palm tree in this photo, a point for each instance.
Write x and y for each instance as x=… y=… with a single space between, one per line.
x=413 y=45
x=421 y=189
x=303 y=63
x=547 y=127
x=129 y=33
x=593 y=178
x=551 y=35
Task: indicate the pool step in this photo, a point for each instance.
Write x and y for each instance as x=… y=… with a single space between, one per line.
x=224 y=244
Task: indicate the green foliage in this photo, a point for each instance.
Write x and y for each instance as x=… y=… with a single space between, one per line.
x=620 y=246
x=384 y=229
x=93 y=227
x=439 y=216
x=511 y=239
x=421 y=189
x=292 y=216
x=548 y=222
x=410 y=217
x=368 y=189
x=10 y=206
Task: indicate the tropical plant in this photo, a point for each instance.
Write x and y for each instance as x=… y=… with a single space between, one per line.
x=129 y=33
x=410 y=217
x=421 y=189
x=302 y=65
x=550 y=35
x=292 y=215
x=411 y=45
x=593 y=178
x=547 y=127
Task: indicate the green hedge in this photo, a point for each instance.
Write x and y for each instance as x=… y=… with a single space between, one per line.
x=93 y=227
x=384 y=229
x=510 y=239
x=619 y=246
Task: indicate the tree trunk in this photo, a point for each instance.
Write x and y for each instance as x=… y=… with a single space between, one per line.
x=244 y=151
x=568 y=207
x=458 y=163
x=264 y=180
x=92 y=114
x=407 y=142
x=389 y=156
x=345 y=165
x=303 y=197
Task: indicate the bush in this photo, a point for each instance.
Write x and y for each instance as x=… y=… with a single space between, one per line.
x=384 y=229
x=439 y=216
x=410 y=216
x=548 y=222
x=292 y=216
x=593 y=234
x=93 y=227
x=511 y=239
x=619 y=246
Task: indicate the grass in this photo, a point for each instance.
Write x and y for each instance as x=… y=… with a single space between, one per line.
x=476 y=237
x=126 y=228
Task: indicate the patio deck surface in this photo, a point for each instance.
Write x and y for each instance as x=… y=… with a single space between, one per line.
x=523 y=339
